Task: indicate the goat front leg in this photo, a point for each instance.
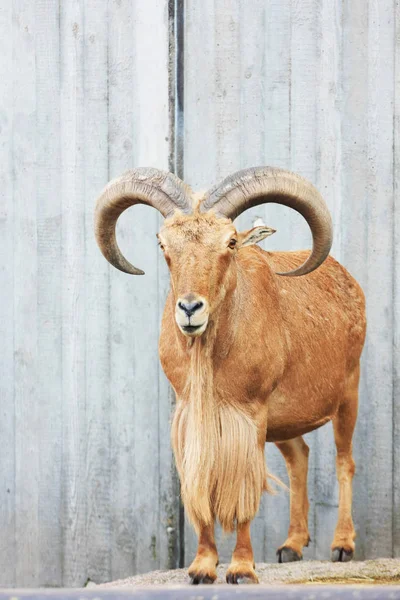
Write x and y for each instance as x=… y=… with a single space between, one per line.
x=241 y=569
x=203 y=568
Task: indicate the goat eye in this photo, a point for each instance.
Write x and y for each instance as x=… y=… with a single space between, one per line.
x=232 y=243
x=161 y=246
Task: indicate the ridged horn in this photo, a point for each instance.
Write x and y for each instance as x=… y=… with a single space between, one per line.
x=159 y=189
x=261 y=185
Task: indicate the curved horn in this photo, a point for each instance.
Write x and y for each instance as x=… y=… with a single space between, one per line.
x=164 y=191
x=260 y=185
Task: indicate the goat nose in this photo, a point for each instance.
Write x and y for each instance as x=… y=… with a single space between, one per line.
x=190 y=307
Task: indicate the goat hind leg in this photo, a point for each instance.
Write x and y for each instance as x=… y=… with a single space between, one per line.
x=295 y=453
x=343 y=545
x=203 y=568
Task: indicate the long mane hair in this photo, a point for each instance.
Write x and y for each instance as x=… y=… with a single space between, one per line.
x=218 y=455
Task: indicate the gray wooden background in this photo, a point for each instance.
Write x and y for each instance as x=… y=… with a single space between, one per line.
x=89 y=89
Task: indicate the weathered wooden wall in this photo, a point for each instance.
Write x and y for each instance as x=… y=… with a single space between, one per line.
x=87 y=487
x=89 y=89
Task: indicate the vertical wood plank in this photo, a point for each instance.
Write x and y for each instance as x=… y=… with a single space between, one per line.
x=49 y=366
x=354 y=216
x=396 y=290
x=7 y=423
x=329 y=106
x=276 y=84
x=200 y=95
x=150 y=126
x=169 y=532
x=73 y=294
x=250 y=121
x=329 y=184
x=171 y=529
x=25 y=296
x=227 y=87
x=276 y=152
x=122 y=298
x=98 y=476
x=169 y=525
x=379 y=357
x=303 y=134
x=251 y=127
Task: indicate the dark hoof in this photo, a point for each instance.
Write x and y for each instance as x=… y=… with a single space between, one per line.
x=199 y=578
x=241 y=578
x=286 y=555
x=341 y=555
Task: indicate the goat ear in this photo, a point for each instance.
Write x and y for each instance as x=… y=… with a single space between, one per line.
x=255 y=235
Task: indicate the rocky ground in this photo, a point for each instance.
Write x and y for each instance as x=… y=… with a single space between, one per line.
x=382 y=571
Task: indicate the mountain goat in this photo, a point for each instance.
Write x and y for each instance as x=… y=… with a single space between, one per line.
x=254 y=352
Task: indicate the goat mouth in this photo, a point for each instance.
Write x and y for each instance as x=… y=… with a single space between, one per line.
x=191 y=328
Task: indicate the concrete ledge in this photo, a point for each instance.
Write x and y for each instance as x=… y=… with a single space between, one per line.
x=210 y=592
x=384 y=570
x=367 y=580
